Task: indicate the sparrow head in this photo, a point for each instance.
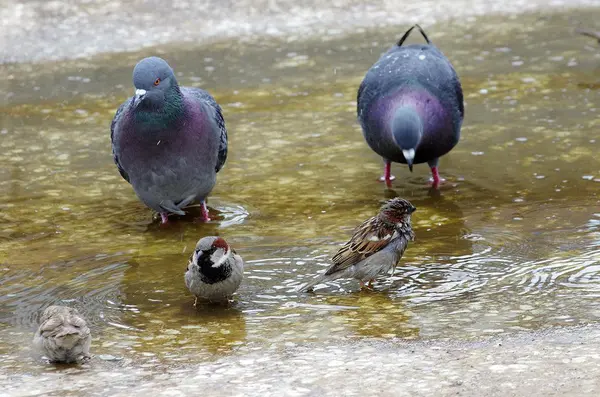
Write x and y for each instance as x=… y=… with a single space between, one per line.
x=397 y=210
x=212 y=251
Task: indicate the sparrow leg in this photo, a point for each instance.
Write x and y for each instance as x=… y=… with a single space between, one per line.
x=435 y=176
x=387 y=174
x=205 y=215
x=164 y=218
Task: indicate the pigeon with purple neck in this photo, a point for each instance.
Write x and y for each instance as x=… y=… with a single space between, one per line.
x=168 y=141
x=410 y=106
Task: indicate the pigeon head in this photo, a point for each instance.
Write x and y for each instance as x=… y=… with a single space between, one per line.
x=154 y=81
x=407 y=129
x=397 y=210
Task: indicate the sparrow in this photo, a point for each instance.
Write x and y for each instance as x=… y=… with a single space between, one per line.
x=376 y=246
x=214 y=271
x=63 y=335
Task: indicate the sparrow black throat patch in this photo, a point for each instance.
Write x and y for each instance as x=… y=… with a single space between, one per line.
x=208 y=273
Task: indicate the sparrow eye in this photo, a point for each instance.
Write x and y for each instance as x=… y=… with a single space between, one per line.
x=156 y=82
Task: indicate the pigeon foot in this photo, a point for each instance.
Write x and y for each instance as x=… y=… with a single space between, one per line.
x=435 y=179
x=387 y=174
x=205 y=216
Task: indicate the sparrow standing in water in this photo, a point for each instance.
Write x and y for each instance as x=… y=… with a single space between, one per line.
x=375 y=248
x=215 y=270
x=63 y=335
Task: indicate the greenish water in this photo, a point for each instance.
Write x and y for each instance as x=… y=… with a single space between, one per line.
x=510 y=242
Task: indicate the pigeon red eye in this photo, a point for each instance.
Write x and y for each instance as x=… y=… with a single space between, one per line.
x=157 y=82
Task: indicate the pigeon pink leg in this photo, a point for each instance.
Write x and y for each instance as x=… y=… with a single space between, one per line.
x=387 y=174
x=164 y=218
x=205 y=215
x=436 y=180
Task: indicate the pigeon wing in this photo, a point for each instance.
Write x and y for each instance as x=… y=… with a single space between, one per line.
x=113 y=127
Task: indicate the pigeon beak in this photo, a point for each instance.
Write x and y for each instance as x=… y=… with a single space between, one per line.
x=139 y=97
x=409 y=155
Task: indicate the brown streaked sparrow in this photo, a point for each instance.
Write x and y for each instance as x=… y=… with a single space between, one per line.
x=375 y=248
x=215 y=270
x=63 y=335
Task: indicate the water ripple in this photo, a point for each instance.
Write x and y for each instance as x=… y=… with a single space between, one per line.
x=87 y=283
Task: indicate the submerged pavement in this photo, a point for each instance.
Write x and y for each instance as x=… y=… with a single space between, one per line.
x=559 y=362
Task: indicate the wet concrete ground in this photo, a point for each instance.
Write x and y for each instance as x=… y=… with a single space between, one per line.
x=558 y=362
x=40 y=30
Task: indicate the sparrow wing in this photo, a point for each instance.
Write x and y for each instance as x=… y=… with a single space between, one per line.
x=370 y=237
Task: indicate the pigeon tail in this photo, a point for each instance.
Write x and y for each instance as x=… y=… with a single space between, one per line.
x=407 y=33
x=170 y=206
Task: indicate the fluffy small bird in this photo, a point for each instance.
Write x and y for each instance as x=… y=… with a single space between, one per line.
x=410 y=106
x=589 y=33
x=376 y=246
x=168 y=141
x=63 y=336
x=215 y=270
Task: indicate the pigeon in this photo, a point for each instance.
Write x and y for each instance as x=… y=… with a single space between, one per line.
x=214 y=271
x=410 y=106
x=63 y=336
x=168 y=141
x=589 y=33
x=376 y=246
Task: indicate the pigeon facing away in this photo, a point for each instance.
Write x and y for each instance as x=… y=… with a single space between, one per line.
x=168 y=141
x=375 y=248
x=215 y=270
x=410 y=106
x=589 y=33
x=63 y=336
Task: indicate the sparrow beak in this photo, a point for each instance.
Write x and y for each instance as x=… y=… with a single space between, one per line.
x=139 y=97
x=413 y=209
x=409 y=156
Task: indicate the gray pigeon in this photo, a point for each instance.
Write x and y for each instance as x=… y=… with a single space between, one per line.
x=63 y=335
x=410 y=106
x=168 y=141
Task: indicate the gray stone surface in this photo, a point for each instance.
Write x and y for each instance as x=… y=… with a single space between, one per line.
x=560 y=362
x=37 y=30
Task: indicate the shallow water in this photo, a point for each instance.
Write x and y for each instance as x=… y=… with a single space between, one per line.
x=510 y=242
